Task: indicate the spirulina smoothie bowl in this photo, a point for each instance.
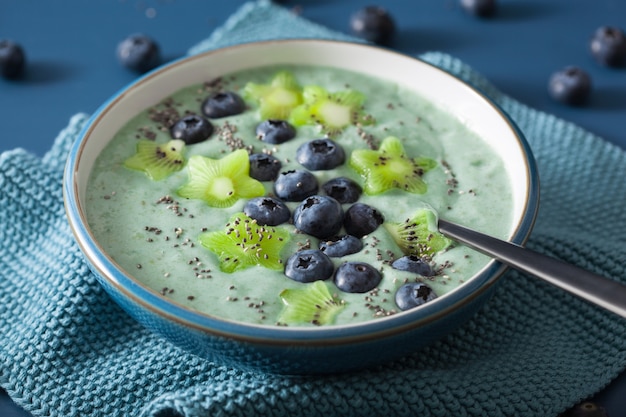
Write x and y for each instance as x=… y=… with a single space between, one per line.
x=274 y=205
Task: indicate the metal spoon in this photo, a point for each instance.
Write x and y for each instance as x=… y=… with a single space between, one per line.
x=599 y=290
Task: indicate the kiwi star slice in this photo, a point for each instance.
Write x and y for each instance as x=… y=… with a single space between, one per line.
x=157 y=160
x=276 y=99
x=331 y=111
x=244 y=243
x=221 y=182
x=389 y=167
x=312 y=304
x=418 y=235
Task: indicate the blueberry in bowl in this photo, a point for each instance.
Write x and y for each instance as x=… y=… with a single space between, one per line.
x=264 y=167
x=342 y=189
x=267 y=210
x=295 y=185
x=340 y=246
x=275 y=131
x=320 y=154
x=232 y=249
x=222 y=104
x=192 y=129
x=309 y=265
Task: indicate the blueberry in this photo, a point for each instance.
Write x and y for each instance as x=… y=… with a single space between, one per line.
x=343 y=190
x=373 y=24
x=342 y=246
x=571 y=85
x=319 y=215
x=608 y=46
x=586 y=409
x=12 y=59
x=192 y=129
x=320 y=154
x=413 y=294
x=481 y=8
x=264 y=167
x=357 y=277
x=361 y=219
x=267 y=211
x=223 y=104
x=275 y=131
x=139 y=53
x=295 y=185
x=309 y=265
x=413 y=264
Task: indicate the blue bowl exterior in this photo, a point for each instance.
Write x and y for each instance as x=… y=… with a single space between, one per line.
x=290 y=350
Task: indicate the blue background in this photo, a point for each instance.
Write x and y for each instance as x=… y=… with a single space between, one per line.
x=70 y=46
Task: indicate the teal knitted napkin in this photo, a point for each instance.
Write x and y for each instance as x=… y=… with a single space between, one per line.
x=67 y=350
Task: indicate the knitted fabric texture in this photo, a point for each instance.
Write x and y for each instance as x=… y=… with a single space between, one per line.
x=67 y=350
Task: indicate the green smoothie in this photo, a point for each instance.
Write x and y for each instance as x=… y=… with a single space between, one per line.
x=155 y=234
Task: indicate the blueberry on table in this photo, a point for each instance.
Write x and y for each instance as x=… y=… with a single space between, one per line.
x=223 y=104
x=571 y=85
x=12 y=59
x=191 y=129
x=341 y=246
x=414 y=264
x=586 y=409
x=275 y=131
x=413 y=295
x=318 y=215
x=139 y=53
x=480 y=8
x=357 y=277
x=264 y=167
x=320 y=155
x=374 y=24
x=295 y=185
x=361 y=219
x=608 y=46
x=343 y=190
x=309 y=265
x=267 y=211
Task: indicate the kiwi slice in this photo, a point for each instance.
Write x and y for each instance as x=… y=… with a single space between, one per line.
x=157 y=160
x=313 y=303
x=331 y=111
x=277 y=99
x=221 y=182
x=244 y=243
x=418 y=235
x=389 y=167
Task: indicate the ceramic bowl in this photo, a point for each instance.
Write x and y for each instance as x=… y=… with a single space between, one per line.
x=293 y=350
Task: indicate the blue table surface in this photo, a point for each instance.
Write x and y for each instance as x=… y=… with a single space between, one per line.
x=72 y=67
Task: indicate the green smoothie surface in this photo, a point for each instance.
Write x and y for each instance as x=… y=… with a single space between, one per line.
x=153 y=233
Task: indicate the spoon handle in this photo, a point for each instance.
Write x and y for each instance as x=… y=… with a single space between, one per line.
x=597 y=289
